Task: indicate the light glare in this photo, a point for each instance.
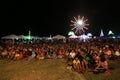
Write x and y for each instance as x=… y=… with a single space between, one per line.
x=80 y=22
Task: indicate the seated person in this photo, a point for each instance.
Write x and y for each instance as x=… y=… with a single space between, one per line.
x=77 y=65
x=102 y=66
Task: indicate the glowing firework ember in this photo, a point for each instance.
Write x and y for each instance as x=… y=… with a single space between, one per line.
x=79 y=24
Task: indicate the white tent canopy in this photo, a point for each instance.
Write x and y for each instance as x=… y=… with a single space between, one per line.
x=58 y=37
x=20 y=36
x=73 y=36
x=83 y=36
x=12 y=36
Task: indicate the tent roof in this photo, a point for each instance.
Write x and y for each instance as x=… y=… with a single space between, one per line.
x=73 y=36
x=12 y=36
x=58 y=37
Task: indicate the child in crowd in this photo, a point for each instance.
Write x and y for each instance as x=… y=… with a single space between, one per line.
x=76 y=65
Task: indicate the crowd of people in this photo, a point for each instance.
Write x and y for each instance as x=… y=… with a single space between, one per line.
x=93 y=54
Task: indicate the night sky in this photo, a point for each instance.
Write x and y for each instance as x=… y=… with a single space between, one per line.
x=51 y=17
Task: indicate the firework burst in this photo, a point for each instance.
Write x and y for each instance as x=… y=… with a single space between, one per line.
x=79 y=24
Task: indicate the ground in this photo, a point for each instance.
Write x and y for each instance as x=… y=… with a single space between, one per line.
x=48 y=69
